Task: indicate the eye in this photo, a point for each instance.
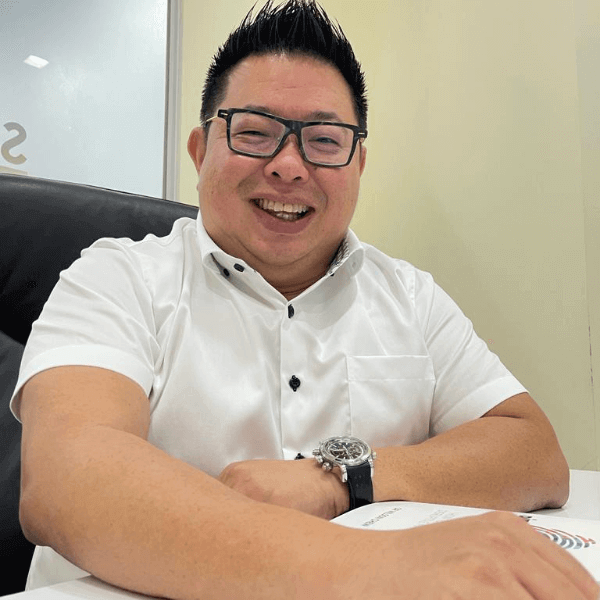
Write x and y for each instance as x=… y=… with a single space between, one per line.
x=251 y=132
x=324 y=140
x=250 y=126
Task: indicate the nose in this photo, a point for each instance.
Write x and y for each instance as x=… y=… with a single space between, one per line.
x=288 y=164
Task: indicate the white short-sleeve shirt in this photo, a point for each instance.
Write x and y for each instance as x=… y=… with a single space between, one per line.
x=234 y=371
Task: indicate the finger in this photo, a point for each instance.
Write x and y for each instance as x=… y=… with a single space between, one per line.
x=569 y=567
x=548 y=581
x=558 y=574
x=477 y=579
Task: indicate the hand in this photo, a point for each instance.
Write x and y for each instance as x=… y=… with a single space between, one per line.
x=495 y=556
x=298 y=484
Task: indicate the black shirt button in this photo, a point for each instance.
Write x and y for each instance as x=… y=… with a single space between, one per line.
x=290 y=311
x=226 y=272
x=239 y=268
x=294 y=383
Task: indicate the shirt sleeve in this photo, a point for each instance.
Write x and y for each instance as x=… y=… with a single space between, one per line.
x=99 y=314
x=470 y=379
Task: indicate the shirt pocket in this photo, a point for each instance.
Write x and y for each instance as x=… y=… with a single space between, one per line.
x=390 y=398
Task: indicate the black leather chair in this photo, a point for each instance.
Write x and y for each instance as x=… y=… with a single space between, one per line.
x=44 y=225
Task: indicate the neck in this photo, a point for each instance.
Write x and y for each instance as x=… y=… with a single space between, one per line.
x=291 y=291
x=290 y=281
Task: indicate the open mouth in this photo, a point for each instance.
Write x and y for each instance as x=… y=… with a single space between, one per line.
x=284 y=212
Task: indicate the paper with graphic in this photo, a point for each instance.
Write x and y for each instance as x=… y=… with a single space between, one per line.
x=580 y=537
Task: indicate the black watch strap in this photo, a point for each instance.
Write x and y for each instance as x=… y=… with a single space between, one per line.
x=360 y=485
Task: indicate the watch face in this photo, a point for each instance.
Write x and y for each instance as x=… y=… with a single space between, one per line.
x=345 y=451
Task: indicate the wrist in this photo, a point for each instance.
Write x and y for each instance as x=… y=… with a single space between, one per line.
x=393 y=479
x=333 y=489
x=351 y=459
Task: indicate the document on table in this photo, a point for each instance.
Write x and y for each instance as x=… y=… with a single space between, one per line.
x=580 y=537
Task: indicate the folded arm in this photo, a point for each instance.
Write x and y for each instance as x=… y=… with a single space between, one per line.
x=107 y=500
x=509 y=459
x=98 y=493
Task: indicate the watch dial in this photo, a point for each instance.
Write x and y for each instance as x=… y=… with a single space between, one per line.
x=346 y=450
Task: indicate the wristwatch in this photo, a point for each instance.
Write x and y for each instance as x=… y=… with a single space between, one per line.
x=355 y=460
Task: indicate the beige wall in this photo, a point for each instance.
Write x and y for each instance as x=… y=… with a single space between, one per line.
x=587 y=26
x=476 y=171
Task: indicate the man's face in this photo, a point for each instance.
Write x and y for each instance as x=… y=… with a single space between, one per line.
x=239 y=195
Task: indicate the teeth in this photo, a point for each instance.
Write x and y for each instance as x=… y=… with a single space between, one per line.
x=287 y=216
x=280 y=207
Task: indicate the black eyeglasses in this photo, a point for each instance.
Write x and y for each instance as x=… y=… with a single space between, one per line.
x=258 y=134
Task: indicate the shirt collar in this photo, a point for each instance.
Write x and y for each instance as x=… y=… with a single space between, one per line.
x=349 y=255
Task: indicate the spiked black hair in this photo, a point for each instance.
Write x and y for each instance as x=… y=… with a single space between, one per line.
x=297 y=27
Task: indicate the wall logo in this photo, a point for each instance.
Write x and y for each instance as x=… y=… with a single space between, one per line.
x=7 y=149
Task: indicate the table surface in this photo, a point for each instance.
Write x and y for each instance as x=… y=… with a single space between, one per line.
x=583 y=503
x=584 y=499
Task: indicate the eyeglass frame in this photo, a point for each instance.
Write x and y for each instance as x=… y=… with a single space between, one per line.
x=292 y=126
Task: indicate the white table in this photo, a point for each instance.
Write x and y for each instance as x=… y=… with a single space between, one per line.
x=583 y=503
x=87 y=588
x=584 y=500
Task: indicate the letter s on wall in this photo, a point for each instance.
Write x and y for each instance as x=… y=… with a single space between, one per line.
x=15 y=141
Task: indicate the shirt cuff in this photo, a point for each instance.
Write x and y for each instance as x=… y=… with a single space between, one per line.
x=478 y=402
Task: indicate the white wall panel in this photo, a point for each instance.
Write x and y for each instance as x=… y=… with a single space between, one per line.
x=96 y=112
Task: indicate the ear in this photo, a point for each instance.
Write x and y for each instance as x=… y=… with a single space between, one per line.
x=197 y=147
x=363 y=157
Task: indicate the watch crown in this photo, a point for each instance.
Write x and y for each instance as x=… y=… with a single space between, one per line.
x=374 y=454
x=326 y=466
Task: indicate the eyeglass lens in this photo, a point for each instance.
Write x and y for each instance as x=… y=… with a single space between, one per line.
x=260 y=135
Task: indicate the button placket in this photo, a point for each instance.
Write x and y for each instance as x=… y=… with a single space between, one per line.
x=293 y=374
x=287 y=334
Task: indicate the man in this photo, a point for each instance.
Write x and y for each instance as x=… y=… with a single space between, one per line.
x=169 y=383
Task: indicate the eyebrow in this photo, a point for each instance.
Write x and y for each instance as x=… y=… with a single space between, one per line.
x=317 y=115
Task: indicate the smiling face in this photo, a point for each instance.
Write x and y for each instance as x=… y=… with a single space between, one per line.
x=283 y=216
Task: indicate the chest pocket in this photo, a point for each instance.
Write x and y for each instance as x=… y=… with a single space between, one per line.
x=390 y=398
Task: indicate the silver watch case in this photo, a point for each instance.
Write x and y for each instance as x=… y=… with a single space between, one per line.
x=342 y=452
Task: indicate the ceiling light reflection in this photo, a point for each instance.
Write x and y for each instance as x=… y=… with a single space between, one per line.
x=35 y=61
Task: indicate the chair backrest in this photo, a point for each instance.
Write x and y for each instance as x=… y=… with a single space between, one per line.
x=44 y=225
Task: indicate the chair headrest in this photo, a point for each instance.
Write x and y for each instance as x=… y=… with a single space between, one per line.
x=44 y=226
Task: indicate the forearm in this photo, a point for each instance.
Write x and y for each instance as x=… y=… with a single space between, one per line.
x=499 y=462
x=133 y=516
x=153 y=524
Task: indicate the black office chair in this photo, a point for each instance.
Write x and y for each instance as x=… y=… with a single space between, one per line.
x=44 y=225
